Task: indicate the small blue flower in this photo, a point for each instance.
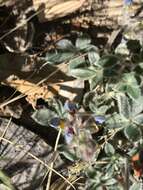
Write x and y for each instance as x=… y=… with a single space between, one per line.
x=99 y=119
x=70 y=106
x=128 y=2
x=55 y=122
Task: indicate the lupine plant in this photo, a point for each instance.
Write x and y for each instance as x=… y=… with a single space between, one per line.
x=105 y=129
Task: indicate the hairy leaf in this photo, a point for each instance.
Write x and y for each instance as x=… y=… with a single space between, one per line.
x=129 y=85
x=109 y=149
x=43 y=116
x=132 y=133
x=83 y=73
x=83 y=42
x=93 y=58
x=108 y=60
x=136 y=186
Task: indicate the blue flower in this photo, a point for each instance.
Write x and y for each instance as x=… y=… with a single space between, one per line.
x=128 y=2
x=99 y=119
x=55 y=122
x=70 y=107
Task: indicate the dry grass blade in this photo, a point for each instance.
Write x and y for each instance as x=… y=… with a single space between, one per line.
x=4 y=132
x=52 y=164
x=59 y=184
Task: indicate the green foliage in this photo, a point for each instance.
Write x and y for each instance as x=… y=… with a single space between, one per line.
x=83 y=73
x=114 y=91
x=132 y=133
x=136 y=186
x=129 y=85
x=67 y=153
x=109 y=149
x=83 y=42
x=44 y=115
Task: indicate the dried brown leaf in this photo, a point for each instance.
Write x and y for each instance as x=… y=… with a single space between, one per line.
x=31 y=90
x=53 y=9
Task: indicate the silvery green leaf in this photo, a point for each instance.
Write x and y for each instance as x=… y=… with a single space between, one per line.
x=136 y=186
x=64 y=150
x=136 y=106
x=133 y=92
x=83 y=42
x=109 y=149
x=129 y=85
x=132 y=133
x=128 y=107
x=108 y=60
x=138 y=119
x=58 y=57
x=77 y=63
x=82 y=73
x=43 y=116
x=110 y=182
x=116 y=121
x=93 y=58
x=123 y=105
x=98 y=78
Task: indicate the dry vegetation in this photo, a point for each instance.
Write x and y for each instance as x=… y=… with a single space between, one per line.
x=71 y=104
